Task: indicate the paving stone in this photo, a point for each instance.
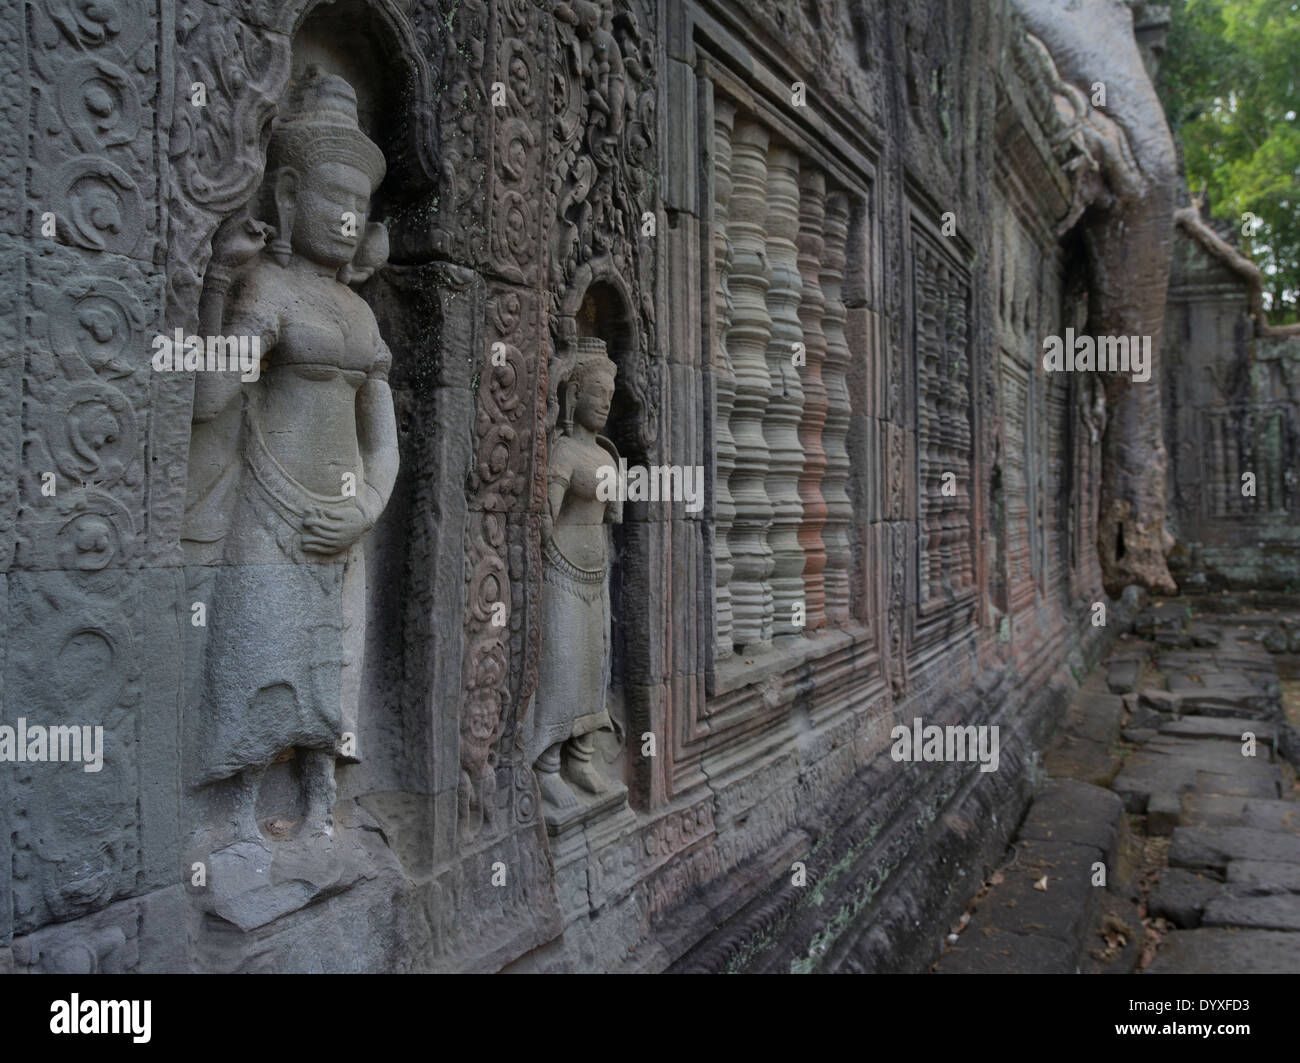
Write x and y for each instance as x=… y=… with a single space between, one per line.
x=1163 y=701
x=1272 y=911
x=1006 y=952
x=1260 y=707
x=1218 y=950
x=1122 y=675
x=1063 y=910
x=1202 y=634
x=1066 y=810
x=1164 y=618
x=1138 y=735
x=1164 y=812
x=1071 y=757
x=1213 y=847
x=1178 y=765
x=1263 y=876
x=1212 y=810
x=1230 y=728
x=1096 y=717
x=1181 y=897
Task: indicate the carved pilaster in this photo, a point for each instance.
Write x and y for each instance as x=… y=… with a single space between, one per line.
x=724 y=508
x=812 y=214
x=839 y=510
x=747 y=340
x=785 y=407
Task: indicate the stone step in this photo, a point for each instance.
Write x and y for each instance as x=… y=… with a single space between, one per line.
x=1213 y=810
x=1021 y=927
x=998 y=951
x=1227 y=727
x=1272 y=911
x=1082 y=750
x=1181 y=896
x=1174 y=765
x=1214 y=847
x=1264 y=876
x=1124 y=673
x=1219 y=950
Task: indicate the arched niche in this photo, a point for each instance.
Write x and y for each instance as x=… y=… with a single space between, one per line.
x=600 y=302
x=601 y=306
x=371 y=44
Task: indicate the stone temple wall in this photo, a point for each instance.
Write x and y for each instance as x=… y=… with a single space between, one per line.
x=319 y=614
x=1232 y=408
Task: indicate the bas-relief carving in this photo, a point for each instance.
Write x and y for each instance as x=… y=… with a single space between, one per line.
x=570 y=704
x=594 y=57
x=289 y=471
x=81 y=302
x=602 y=157
x=507 y=420
x=73 y=643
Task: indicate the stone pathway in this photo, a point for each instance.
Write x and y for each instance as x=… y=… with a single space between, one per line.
x=1149 y=778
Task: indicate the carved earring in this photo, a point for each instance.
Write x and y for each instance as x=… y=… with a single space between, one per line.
x=570 y=397
x=281 y=249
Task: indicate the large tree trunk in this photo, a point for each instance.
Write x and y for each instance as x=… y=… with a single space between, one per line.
x=1128 y=232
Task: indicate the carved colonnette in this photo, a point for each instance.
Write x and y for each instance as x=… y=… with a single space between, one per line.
x=781 y=241
x=945 y=458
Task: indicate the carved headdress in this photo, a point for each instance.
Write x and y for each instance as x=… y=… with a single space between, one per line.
x=590 y=359
x=320 y=125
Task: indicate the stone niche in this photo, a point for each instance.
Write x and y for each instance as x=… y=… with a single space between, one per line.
x=598 y=321
x=301 y=482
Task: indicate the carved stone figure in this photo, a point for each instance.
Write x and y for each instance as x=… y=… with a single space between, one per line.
x=295 y=467
x=573 y=675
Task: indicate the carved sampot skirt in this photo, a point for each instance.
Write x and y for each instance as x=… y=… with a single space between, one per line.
x=573 y=674
x=278 y=663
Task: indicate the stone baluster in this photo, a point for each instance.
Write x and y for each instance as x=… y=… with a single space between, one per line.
x=839 y=510
x=724 y=381
x=746 y=341
x=785 y=408
x=811 y=241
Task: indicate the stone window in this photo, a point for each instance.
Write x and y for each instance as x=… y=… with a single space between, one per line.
x=781 y=515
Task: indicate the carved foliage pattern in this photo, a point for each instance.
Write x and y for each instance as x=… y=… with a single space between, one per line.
x=458 y=34
x=509 y=404
x=518 y=151
x=92 y=162
x=602 y=162
x=90 y=308
x=73 y=661
x=217 y=152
